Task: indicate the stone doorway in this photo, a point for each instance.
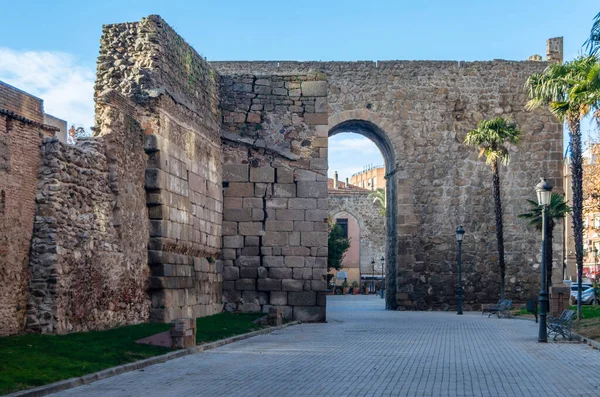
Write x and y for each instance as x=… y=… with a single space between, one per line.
x=374 y=133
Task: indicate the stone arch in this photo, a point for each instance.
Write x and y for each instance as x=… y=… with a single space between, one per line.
x=370 y=125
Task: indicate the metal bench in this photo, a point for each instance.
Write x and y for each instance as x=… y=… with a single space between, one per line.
x=561 y=325
x=502 y=309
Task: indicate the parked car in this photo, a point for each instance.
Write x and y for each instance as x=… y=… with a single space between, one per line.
x=587 y=293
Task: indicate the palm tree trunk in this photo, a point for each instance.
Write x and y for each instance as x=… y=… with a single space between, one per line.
x=499 y=231
x=577 y=180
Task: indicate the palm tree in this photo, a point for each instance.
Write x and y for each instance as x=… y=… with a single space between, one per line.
x=557 y=210
x=378 y=196
x=593 y=42
x=492 y=138
x=570 y=91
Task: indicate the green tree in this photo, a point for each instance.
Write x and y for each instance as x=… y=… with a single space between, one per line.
x=570 y=91
x=492 y=137
x=378 y=196
x=557 y=210
x=337 y=246
x=593 y=42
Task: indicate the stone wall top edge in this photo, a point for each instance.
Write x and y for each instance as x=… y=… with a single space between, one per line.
x=12 y=87
x=274 y=67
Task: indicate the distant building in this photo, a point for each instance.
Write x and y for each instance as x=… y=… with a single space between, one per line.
x=360 y=218
x=371 y=178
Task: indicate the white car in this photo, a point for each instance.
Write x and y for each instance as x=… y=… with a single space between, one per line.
x=587 y=293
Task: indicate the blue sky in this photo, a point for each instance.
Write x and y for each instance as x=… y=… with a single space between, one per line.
x=50 y=48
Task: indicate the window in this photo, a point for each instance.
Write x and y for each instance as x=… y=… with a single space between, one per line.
x=585 y=222
x=343 y=222
x=597 y=222
x=363 y=184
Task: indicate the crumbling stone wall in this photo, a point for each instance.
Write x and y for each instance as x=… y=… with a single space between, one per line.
x=151 y=64
x=425 y=108
x=89 y=249
x=275 y=209
x=21 y=133
x=371 y=223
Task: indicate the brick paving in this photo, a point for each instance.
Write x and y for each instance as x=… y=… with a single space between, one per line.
x=366 y=351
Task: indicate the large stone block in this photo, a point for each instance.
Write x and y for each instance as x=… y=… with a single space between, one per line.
x=278 y=298
x=309 y=313
x=273 y=261
x=245 y=284
x=280 y=273
x=302 y=298
x=304 y=204
x=240 y=189
x=316 y=119
x=313 y=239
x=231 y=273
x=292 y=285
x=285 y=175
x=312 y=189
x=267 y=284
x=279 y=226
x=314 y=88
x=316 y=216
x=262 y=174
x=275 y=239
x=284 y=190
x=250 y=261
x=233 y=241
x=250 y=228
x=237 y=215
x=294 y=261
x=235 y=172
x=289 y=215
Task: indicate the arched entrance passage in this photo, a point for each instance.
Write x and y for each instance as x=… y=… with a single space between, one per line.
x=370 y=130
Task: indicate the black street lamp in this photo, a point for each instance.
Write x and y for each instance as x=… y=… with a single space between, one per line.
x=382 y=277
x=373 y=276
x=544 y=194
x=595 y=251
x=459 y=238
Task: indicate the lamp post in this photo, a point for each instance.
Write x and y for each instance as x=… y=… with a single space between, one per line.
x=459 y=238
x=544 y=193
x=595 y=251
x=382 y=277
x=373 y=275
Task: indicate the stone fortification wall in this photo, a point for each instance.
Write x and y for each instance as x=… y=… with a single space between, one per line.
x=425 y=109
x=21 y=133
x=275 y=209
x=89 y=248
x=371 y=223
x=151 y=64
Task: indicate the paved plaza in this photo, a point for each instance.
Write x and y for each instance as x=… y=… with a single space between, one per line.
x=364 y=350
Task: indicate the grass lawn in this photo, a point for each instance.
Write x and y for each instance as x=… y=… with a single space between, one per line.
x=224 y=325
x=32 y=360
x=588 y=326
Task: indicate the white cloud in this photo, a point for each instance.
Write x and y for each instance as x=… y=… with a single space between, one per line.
x=352 y=142
x=350 y=153
x=66 y=87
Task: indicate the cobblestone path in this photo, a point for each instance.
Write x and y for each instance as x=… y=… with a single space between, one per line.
x=366 y=351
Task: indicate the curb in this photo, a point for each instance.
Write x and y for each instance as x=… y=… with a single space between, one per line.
x=121 y=369
x=580 y=338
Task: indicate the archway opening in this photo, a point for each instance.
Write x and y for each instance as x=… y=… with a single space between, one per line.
x=360 y=172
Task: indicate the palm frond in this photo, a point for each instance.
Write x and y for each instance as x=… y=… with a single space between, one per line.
x=592 y=44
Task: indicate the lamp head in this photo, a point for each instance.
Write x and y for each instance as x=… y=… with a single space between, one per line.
x=460 y=233
x=544 y=192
